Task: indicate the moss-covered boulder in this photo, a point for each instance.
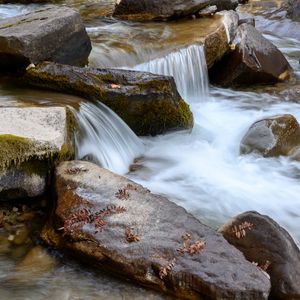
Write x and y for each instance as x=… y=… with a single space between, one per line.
x=32 y=141
x=150 y=104
x=274 y=136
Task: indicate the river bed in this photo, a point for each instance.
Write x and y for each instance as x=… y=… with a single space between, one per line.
x=200 y=170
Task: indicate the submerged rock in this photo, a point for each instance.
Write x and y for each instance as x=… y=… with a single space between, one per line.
x=36 y=264
x=250 y=61
x=52 y=33
x=168 y=9
x=119 y=226
x=274 y=136
x=268 y=245
x=148 y=103
x=32 y=140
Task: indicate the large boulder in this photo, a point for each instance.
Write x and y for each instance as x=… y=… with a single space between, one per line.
x=147 y=10
x=32 y=141
x=250 y=61
x=52 y=33
x=148 y=103
x=274 y=136
x=119 y=226
x=269 y=246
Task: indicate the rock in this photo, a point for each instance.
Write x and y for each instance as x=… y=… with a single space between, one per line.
x=148 y=103
x=52 y=33
x=274 y=136
x=293 y=10
x=32 y=141
x=119 y=226
x=271 y=247
x=230 y=21
x=216 y=44
x=250 y=61
x=36 y=264
x=21 y=236
x=168 y=9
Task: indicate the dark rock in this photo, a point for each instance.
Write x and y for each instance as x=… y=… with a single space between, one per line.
x=250 y=61
x=166 y=9
x=294 y=10
x=274 y=136
x=148 y=103
x=271 y=247
x=51 y=33
x=119 y=226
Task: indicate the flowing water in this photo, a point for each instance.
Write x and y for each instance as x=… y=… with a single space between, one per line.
x=105 y=139
x=200 y=170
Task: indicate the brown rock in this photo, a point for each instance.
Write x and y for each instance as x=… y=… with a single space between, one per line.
x=264 y=242
x=250 y=61
x=274 y=136
x=119 y=226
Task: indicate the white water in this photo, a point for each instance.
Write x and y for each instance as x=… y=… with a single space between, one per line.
x=187 y=66
x=105 y=139
x=203 y=171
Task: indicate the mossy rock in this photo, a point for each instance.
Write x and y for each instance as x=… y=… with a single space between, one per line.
x=28 y=160
x=150 y=104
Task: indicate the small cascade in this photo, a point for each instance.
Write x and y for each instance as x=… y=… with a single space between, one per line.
x=187 y=66
x=105 y=139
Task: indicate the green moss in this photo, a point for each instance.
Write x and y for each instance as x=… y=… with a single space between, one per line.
x=185 y=113
x=14 y=150
x=157 y=85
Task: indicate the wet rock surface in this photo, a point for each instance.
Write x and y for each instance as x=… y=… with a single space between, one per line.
x=251 y=61
x=274 y=136
x=117 y=225
x=293 y=10
x=265 y=243
x=51 y=33
x=32 y=140
x=148 y=103
x=167 y=9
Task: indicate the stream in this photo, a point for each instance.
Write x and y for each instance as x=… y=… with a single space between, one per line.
x=200 y=170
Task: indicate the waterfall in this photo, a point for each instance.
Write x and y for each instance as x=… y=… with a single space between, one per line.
x=104 y=138
x=187 y=66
